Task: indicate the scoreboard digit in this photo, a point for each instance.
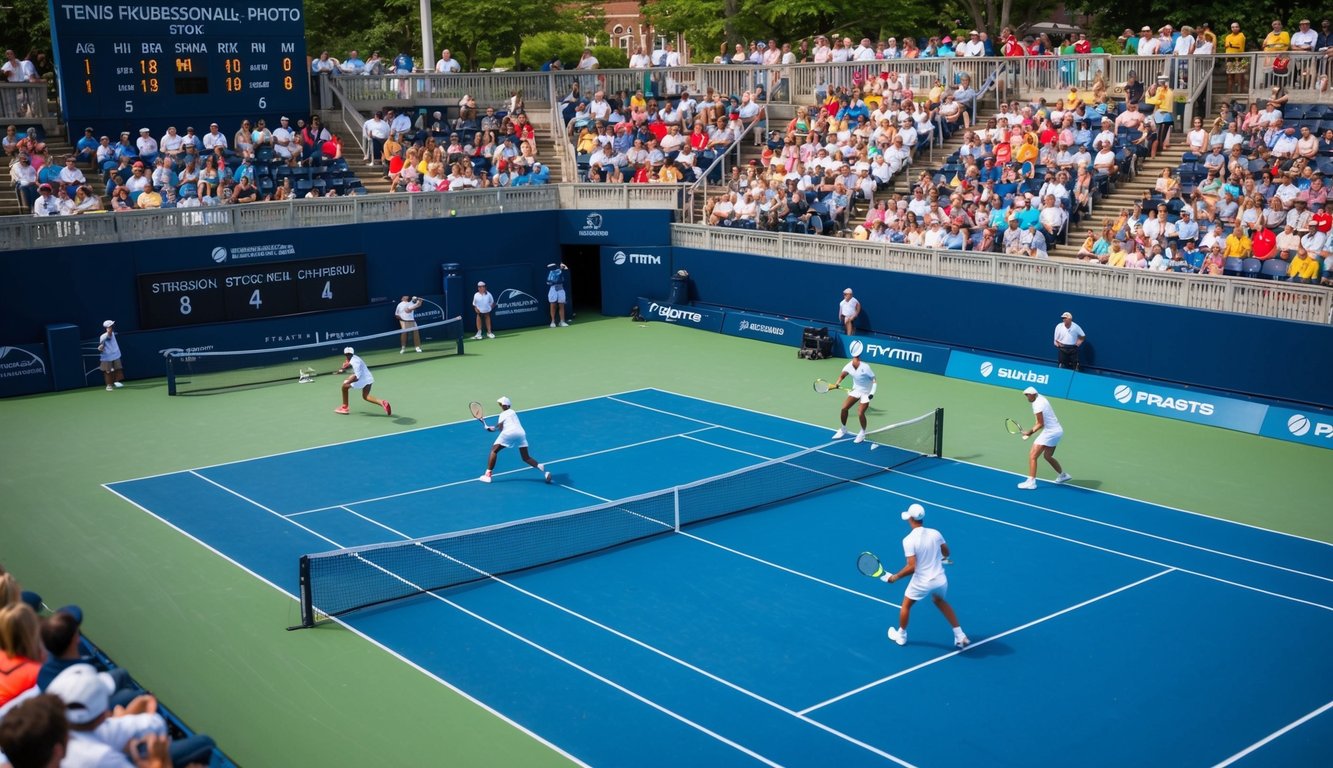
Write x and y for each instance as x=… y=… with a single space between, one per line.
x=127 y=65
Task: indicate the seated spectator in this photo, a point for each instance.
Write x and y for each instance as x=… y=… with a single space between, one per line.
x=1304 y=267
x=21 y=652
x=46 y=204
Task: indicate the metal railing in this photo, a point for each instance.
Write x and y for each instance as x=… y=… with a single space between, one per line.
x=1265 y=298
x=24 y=101
x=21 y=233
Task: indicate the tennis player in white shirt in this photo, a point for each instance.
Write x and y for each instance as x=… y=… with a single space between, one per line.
x=926 y=553
x=511 y=436
x=1045 y=444
x=360 y=379
x=863 y=390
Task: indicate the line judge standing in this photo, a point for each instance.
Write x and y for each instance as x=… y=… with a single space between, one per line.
x=483 y=302
x=848 y=310
x=1068 y=338
x=108 y=350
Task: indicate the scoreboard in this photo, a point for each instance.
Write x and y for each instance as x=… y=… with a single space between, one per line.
x=272 y=289
x=125 y=66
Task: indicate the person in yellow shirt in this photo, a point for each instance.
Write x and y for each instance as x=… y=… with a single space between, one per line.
x=1238 y=68
x=1116 y=258
x=149 y=198
x=1304 y=268
x=1238 y=244
x=1164 y=104
x=1278 y=40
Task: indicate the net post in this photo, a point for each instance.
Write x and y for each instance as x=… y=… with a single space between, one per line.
x=675 y=504
x=307 y=602
x=171 y=376
x=939 y=432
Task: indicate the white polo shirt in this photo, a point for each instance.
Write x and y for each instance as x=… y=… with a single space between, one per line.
x=1050 y=425
x=1068 y=336
x=848 y=307
x=362 y=373
x=483 y=301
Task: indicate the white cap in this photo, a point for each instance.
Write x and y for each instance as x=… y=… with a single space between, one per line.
x=915 y=512
x=504 y=401
x=108 y=323
x=481 y=283
x=846 y=290
x=1071 y=317
x=349 y=351
x=85 y=691
x=1030 y=391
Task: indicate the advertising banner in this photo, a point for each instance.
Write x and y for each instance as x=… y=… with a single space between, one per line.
x=1311 y=426
x=898 y=353
x=1170 y=402
x=1006 y=372
x=24 y=370
x=693 y=317
x=629 y=272
x=520 y=294
x=763 y=327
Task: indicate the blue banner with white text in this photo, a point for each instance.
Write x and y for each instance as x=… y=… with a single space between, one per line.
x=898 y=353
x=692 y=317
x=1007 y=372
x=1197 y=406
x=24 y=370
x=1310 y=427
x=778 y=330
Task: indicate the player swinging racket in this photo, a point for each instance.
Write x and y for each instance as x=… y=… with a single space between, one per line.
x=511 y=436
x=926 y=552
x=1044 y=445
x=360 y=379
x=863 y=389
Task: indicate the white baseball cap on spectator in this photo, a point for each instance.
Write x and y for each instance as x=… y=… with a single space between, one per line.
x=108 y=323
x=85 y=691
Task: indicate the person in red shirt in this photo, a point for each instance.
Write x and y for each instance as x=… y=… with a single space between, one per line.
x=1321 y=221
x=1083 y=45
x=1263 y=243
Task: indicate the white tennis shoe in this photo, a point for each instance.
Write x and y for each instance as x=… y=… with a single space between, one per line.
x=1063 y=478
x=486 y=478
x=490 y=335
x=898 y=636
x=418 y=349
x=478 y=336
x=840 y=433
x=548 y=478
x=563 y=324
x=860 y=437
x=1028 y=484
x=960 y=640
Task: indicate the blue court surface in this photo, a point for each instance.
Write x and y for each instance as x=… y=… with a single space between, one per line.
x=1106 y=631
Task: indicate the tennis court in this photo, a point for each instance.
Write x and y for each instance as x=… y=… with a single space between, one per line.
x=751 y=638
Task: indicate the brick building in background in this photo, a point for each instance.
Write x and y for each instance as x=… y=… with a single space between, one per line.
x=626 y=28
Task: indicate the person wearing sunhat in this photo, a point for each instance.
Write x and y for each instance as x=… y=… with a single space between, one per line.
x=927 y=553
x=511 y=436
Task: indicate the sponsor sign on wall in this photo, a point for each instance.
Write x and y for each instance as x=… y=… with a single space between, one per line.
x=1006 y=372
x=898 y=353
x=693 y=317
x=764 y=328
x=1157 y=400
x=629 y=272
x=520 y=296
x=1310 y=426
x=23 y=370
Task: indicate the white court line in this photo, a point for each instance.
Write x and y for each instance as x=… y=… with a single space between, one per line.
x=1094 y=521
x=962 y=461
x=552 y=462
x=240 y=496
x=459 y=691
x=980 y=643
x=1274 y=735
x=755 y=558
x=1079 y=542
x=369 y=437
x=641 y=644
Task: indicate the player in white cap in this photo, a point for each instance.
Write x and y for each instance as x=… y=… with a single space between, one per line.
x=848 y=310
x=927 y=553
x=511 y=436
x=108 y=356
x=863 y=391
x=483 y=303
x=1044 y=445
x=360 y=379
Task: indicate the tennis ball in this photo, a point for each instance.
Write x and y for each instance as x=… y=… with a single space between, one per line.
x=453 y=212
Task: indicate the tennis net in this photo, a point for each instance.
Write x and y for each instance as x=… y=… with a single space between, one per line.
x=198 y=372
x=335 y=583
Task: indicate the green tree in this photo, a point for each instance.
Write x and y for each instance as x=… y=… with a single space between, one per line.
x=28 y=25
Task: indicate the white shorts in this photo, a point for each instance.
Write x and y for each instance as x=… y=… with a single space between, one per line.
x=1050 y=438
x=917 y=592
x=512 y=440
x=359 y=384
x=556 y=295
x=859 y=394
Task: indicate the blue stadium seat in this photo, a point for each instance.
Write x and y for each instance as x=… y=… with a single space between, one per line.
x=1275 y=268
x=1232 y=266
x=1251 y=267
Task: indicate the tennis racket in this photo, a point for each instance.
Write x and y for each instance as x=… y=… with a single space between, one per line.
x=822 y=386
x=1013 y=428
x=869 y=565
x=477 y=412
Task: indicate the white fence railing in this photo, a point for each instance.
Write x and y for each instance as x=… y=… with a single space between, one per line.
x=1266 y=298
x=20 y=233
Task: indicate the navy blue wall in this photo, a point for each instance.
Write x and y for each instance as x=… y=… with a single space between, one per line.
x=1271 y=358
